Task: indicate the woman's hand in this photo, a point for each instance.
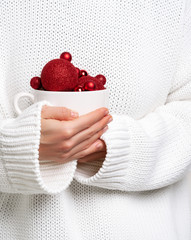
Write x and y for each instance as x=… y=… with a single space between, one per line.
x=64 y=139
x=100 y=153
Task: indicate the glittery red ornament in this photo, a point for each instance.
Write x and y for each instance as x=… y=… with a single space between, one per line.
x=90 y=86
x=83 y=73
x=59 y=75
x=99 y=85
x=83 y=79
x=66 y=56
x=78 y=71
x=79 y=88
x=35 y=83
x=101 y=78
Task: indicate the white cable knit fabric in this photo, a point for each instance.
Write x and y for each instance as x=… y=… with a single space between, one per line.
x=140 y=191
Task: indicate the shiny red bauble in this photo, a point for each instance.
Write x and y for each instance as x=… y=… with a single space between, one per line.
x=99 y=85
x=101 y=78
x=79 y=88
x=83 y=73
x=66 y=56
x=90 y=86
x=59 y=75
x=35 y=83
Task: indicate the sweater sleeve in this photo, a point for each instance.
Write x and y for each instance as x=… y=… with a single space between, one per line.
x=20 y=169
x=154 y=151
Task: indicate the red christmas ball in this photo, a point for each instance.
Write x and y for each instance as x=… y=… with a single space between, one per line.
x=59 y=75
x=83 y=73
x=79 y=88
x=99 y=85
x=90 y=86
x=35 y=83
x=101 y=78
x=78 y=71
x=84 y=79
x=66 y=56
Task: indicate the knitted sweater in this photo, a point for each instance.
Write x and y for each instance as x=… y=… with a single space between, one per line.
x=140 y=190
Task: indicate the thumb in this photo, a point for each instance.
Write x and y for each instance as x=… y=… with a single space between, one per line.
x=58 y=113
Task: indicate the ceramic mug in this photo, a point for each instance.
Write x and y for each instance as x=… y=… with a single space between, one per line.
x=81 y=102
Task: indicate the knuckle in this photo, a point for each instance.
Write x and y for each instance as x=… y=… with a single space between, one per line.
x=67 y=132
x=67 y=145
x=90 y=133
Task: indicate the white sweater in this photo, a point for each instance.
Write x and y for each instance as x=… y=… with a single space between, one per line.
x=140 y=192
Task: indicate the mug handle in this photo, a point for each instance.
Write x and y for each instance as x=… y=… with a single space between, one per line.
x=17 y=98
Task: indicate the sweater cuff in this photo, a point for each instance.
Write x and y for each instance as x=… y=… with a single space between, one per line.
x=109 y=172
x=20 y=140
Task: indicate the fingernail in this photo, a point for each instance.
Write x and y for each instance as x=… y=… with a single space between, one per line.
x=106 y=112
x=74 y=114
x=111 y=119
x=98 y=145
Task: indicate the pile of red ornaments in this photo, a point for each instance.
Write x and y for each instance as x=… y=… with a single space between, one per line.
x=61 y=75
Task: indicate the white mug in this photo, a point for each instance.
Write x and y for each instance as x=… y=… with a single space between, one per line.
x=81 y=102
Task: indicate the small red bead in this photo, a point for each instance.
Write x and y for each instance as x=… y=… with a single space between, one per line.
x=89 y=86
x=36 y=83
x=78 y=71
x=79 y=88
x=67 y=56
x=83 y=73
x=101 y=78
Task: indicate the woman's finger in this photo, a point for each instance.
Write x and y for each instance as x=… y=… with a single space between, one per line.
x=58 y=113
x=89 y=132
x=87 y=151
x=66 y=148
x=84 y=121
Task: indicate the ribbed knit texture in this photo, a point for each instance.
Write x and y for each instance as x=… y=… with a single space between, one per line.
x=140 y=191
x=19 y=154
